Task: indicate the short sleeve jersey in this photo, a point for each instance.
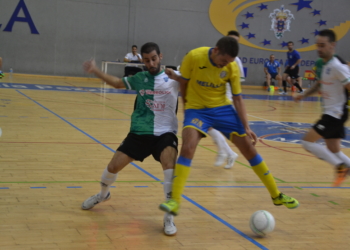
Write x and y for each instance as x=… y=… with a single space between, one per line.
x=156 y=103
x=333 y=76
x=292 y=57
x=272 y=67
x=130 y=56
x=207 y=83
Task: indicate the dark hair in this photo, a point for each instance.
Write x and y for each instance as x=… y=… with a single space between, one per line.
x=332 y=37
x=290 y=42
x=233 y=33
x=149 y=47
x=228 y=46
x=134 y=46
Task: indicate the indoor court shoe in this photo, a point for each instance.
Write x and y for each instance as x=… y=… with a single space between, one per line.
x=283 y=199
x=282 y=93
x=94 y=200
x=231 y=160
x=170 y=206
x=169 y=226
x=220 y=159
x=341 y=172
x=1 y=74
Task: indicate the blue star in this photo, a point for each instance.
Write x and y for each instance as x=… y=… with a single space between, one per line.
x=265 y=42
x=244 y=25
x=303 y=4
x=316 y=32
x=322 y=22
x=248 y=15
x=250 y=35
x=316 y=12
x=263 y=6
x=304 y=40
x=284 y=44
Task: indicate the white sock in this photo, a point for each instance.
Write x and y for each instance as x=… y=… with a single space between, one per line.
x=220 y=141
x=322 y=152
x=344 y=158
x=107 y=179
x=168 y=181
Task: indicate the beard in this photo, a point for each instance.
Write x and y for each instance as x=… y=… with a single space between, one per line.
x=154 y=70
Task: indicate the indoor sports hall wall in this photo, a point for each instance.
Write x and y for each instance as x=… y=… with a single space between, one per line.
x=54 y=37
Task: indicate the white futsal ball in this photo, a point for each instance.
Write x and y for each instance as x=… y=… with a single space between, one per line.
x=262 y=222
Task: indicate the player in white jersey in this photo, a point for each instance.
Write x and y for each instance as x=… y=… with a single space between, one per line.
x=333 y=77
x=225 y=152
x=153 y=125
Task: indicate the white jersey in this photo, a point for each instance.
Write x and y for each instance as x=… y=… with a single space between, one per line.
x=242 y=78
x=131 y=57
x=156 y=103
x=333 y=76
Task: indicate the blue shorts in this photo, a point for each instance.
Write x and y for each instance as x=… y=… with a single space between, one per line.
x=224 y=118
x=273 y=75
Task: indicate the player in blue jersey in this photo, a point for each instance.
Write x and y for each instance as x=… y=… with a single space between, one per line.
x=272 y=70
x=292 y=68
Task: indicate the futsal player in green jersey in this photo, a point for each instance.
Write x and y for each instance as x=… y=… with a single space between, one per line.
x=204 y=73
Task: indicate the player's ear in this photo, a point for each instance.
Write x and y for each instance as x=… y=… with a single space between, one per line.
x=160 y=56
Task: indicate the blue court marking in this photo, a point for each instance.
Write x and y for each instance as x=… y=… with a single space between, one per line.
x=113 y=186
x=152 y=176
x=4 y=188
x=74 y=187
x=234 y=187
x=226 y=223
x=141 y=186
x=37 y=187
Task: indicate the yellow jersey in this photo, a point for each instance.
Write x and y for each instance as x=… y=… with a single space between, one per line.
x=207 y=83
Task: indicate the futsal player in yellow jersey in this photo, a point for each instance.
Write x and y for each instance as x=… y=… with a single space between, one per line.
x=204 y=73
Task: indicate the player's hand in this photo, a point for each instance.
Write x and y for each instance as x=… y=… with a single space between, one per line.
x=90 y=66
x=252 y=136
x=292 y=67
x=298 y=97
x=171 y=73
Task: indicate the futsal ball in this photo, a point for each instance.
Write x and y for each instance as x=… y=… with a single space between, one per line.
x=262 y=222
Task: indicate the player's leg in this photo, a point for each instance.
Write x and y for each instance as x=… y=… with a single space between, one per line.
x=1 y=73
x=279 y=80
x=262 y=171
x=166 y=152
x=224 y=150
x=285 y=80
x=268 y=81
x=109 y=176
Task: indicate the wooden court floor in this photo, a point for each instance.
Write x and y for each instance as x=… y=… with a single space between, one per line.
x=57 y=139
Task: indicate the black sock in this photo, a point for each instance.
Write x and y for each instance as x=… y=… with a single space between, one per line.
x=284 y=86
x=298 y=86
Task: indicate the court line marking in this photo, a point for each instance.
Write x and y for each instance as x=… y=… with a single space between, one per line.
x=149 y=174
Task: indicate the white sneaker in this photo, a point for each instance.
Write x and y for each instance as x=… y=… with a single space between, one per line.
x=282 y=93
x=94 y=200
x=169 y=226
x=220 y=159
x=231 y=160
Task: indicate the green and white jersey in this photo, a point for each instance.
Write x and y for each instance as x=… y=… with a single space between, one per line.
x=333 y=76
x=156 y=103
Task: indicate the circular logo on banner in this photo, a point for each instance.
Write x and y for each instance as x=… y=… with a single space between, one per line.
x=223 y=15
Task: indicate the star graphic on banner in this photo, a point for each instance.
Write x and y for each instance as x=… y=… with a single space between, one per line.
x=265 y=42
x=316 y=12
x=263 y=6
x=250 y=35
x=304 y=40
x=284 y=44
x=244 y=25
x=316 y=32
x=303 y=4
x=248 y=15
x=322 y=22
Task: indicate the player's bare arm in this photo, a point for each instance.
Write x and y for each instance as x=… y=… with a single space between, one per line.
x=90 y=67
x=307 y=93
x=242 y=113
x=182 y=82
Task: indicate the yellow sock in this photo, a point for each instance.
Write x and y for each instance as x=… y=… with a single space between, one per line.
x=181 y=173
x=262 y=171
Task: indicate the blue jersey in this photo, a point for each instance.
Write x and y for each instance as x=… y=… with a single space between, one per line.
x=293 y=57
x=272 y=67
